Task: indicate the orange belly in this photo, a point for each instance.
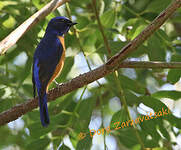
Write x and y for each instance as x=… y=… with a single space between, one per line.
x=60 y=64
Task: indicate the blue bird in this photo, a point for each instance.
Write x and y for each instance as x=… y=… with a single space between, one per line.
x=48 y=61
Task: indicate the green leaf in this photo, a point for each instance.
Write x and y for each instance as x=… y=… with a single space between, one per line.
x=174 y=74
x=10 y=56
x=175 y=95
x=140 y=51
x=9 y=23
x=127 y=137
x=5 y=17
x=154 y=103
x=64 y=147
x=131 y=98
x=28 y=89
x=82 y=22
x=89 y=45
x=2 y=92
x=6 y=134
x=138 y=31
x=149 y=127
x=134 y=24
x=33 y=115
x=37 y=130
x=157 y=5
x=62 y=103
x=115 y=46
x=160 y=148
x=157 y=106
x=84 y=144
x=178 y=50
x=37 y=3
x=156 y=49
x=133 y=85
x=108 y=18
x=6 y=104
x=6 y=3
x=39 y=144
x=163 y=34
x=118 y=118
x=80 y=3
x=129 y=23
x=84 y=118
x=164 y=131
x=26 y=71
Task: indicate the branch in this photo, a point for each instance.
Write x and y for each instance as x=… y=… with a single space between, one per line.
x=78 y=82
x=147 y=32
x=93 y=75
x=150 y=64
x=14 y=36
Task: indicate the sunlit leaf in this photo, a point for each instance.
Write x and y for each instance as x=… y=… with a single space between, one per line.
x=108 y=18
x=175 y=95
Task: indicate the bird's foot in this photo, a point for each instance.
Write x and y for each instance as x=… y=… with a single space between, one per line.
x=57 y=84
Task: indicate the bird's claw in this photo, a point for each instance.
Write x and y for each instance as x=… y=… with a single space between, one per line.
x=57 y=84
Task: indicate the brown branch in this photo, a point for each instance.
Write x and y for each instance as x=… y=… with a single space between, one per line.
x=78 y=82
x=147 y=32
x=91 y=76
x=14 y=36
x=150 y=64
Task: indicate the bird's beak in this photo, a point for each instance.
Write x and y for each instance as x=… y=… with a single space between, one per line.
x=73 y=23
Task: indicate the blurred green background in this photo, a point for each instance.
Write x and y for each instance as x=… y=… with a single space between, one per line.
x=94 y=106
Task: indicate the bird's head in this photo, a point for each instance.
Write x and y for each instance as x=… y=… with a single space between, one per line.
x=60 y=25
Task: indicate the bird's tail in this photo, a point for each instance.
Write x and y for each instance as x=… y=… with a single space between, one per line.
x=44 y=117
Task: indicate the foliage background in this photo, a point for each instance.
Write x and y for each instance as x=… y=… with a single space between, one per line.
x=94 y=106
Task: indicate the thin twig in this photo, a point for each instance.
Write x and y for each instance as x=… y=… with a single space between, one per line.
x=14 y=36
x=150 y=64
x=101 y=28
x=123 y=100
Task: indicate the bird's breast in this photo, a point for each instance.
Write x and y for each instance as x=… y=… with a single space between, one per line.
x=61 y=62
x=62 y=58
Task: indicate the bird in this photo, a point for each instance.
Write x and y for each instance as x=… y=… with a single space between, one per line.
x=48 y=61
